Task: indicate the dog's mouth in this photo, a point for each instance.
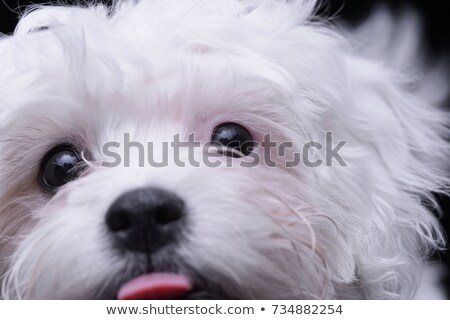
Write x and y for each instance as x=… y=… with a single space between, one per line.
x=165 y=286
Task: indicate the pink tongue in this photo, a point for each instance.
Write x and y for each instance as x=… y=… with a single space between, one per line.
x=161 y=286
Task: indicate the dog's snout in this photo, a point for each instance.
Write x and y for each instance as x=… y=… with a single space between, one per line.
x=146 y=219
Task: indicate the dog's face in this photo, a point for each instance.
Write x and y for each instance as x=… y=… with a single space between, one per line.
x=73 y=80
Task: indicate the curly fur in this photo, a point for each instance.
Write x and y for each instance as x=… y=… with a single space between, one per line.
x=158 y=68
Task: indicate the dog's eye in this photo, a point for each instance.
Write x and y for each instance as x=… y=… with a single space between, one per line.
x=235 y=138
x=59 y=167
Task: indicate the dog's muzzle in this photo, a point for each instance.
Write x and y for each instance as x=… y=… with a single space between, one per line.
x=146 y=220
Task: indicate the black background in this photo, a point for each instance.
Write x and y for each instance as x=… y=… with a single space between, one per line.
x=435 y=16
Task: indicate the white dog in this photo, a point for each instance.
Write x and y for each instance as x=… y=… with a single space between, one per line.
x=73 y=226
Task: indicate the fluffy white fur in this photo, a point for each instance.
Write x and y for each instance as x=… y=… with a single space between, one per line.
x=156 y=68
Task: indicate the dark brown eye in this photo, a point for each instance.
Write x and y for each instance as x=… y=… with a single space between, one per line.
x=233 y=137
x=59 y=167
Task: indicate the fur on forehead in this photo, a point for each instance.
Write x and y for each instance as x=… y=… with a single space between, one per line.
x=275 y=17
x=181 y=58
x=146 y=43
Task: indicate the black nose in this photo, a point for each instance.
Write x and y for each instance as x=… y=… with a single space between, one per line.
x=146 y=219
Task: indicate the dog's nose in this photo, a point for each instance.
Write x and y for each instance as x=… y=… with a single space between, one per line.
x=146 y=219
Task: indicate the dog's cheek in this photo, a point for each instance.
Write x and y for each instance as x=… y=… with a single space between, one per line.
x=62 y=256
x=234 y=229
x=66 y=253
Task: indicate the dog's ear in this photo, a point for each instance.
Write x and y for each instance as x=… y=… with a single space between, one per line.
x=397 y=116
x=402 y=99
